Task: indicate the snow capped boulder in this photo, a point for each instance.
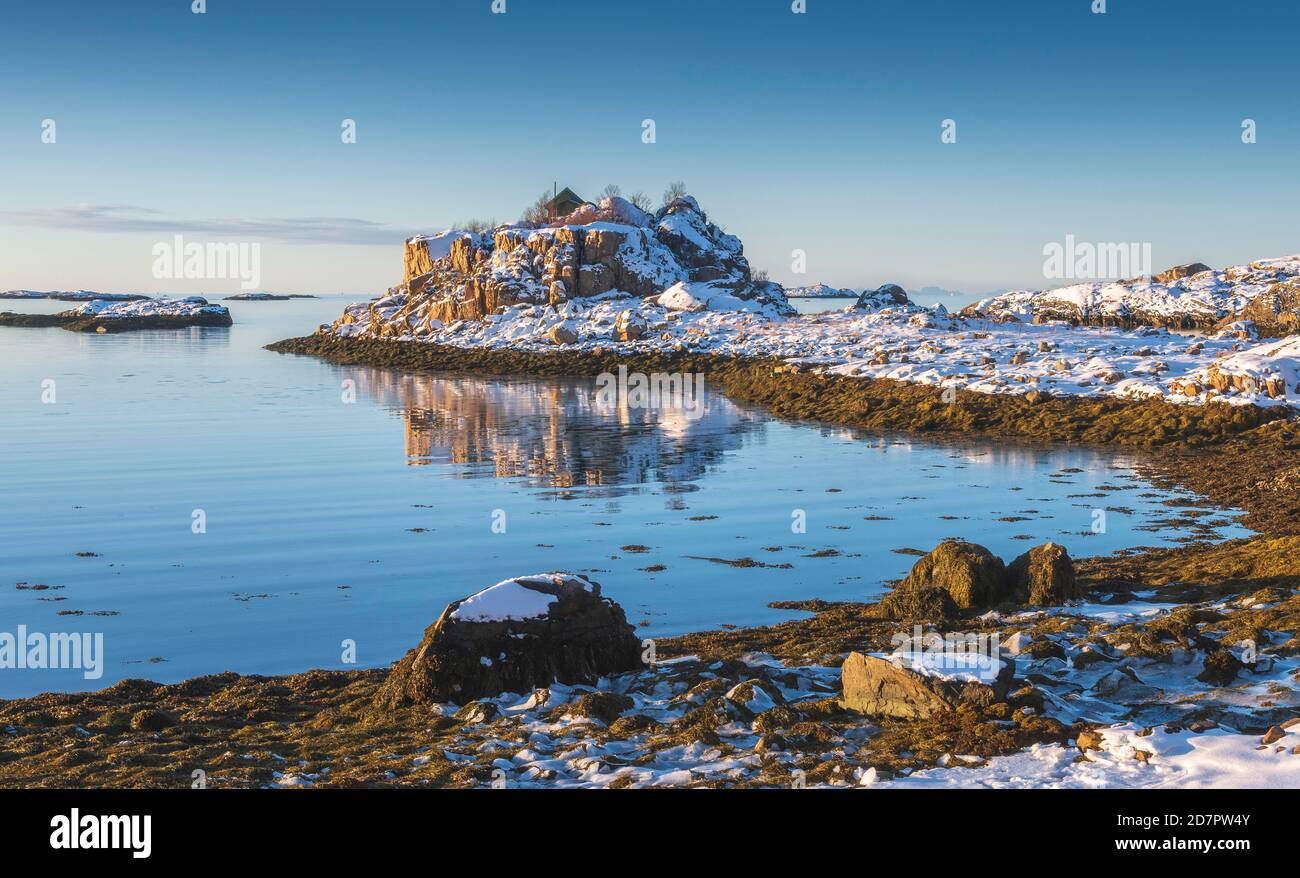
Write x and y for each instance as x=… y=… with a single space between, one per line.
x=884 y=296
x=917 y=685
x=516 y=636
x=1043 y=576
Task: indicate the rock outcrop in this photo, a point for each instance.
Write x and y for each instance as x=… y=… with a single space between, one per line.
x=1178 y=272
x=516 y=636
x=1275 y=312
x=1189 y=296
x=1043 y=577
x=611 y=249
x=884 y=296
x=917 y=686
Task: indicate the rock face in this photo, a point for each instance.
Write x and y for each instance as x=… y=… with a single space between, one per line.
x=611 y=249
x=518 y=635
x=1276 y=311
x=880 y=687
x=1043 y=576
x=971 y=575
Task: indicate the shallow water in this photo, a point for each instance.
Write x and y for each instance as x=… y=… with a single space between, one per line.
x=329 y=520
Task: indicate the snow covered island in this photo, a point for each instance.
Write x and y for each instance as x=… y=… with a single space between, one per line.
x=103 y=315
x=614 y=278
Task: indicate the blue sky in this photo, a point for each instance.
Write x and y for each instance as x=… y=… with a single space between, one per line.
x=818 y=132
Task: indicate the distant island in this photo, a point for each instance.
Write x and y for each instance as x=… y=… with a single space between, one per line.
x=266 y=297
x=820 y=291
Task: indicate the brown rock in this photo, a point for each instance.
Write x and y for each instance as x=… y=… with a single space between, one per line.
x=1273 y=735
x=561 y=334
x=629 y=326
x=877 y=687
x=1089 y=739
x=1043 y=576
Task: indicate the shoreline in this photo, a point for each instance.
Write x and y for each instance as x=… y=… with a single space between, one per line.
x=1236 y=456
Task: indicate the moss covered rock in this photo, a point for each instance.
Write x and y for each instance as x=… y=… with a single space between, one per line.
x=1043 y=576
x=972 y=576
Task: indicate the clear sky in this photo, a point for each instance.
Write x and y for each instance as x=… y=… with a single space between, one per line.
x=818 y=131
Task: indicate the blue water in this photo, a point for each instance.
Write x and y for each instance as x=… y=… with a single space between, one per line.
x=314 y=505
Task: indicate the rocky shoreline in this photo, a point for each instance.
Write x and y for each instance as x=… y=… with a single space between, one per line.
x=1148 y=661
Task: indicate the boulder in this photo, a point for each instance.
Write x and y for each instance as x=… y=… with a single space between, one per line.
x=561 y=334
x=884 y=296
x=1043 y=576
x=878 y=686
x=970 y=574
x=629 y=326
x=516 y=636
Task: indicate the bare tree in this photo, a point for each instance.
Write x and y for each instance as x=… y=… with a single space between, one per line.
x=759 y=276
x=674 y=191
x=641 y=200
x=478 y=225
x=610 y=191
x=536 y=212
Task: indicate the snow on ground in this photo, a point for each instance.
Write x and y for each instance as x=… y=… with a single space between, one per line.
x=188 y=306
x=1183 y=759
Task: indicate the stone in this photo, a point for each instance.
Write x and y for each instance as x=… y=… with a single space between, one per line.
x=1043 y=576
x=877 y=687
x=1089 y=739
x=970 y=574
x=629 y=326
x=561 y=334
x=517 y=636
x=1273 y=735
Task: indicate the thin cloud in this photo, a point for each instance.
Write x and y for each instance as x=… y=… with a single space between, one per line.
x=131 y=218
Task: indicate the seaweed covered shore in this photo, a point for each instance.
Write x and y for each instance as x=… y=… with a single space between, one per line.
x=1177 y=666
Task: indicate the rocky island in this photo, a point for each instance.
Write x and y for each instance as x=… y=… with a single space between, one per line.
x=103 y=315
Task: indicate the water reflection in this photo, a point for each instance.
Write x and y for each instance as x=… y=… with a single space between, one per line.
x=553 y=433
